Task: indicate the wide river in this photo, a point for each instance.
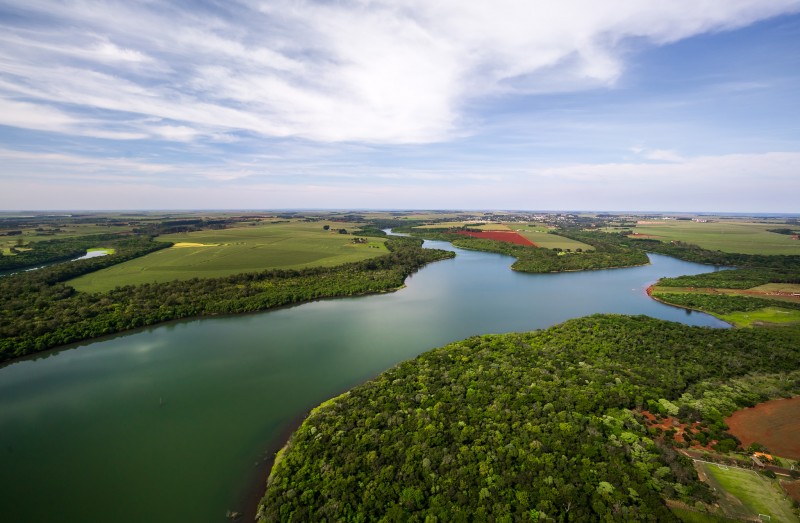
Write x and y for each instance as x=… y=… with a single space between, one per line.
x=173 y=423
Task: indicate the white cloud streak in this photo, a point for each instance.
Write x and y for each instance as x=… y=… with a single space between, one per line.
x=360 y=71
x=729 y=183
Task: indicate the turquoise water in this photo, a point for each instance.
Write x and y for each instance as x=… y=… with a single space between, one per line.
x=172 y=423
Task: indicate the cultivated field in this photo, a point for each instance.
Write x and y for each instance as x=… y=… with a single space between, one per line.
x=215 y=253
x=472 y=225
x=727 y=236
x=744 y=494
x=775 y=424
x=540 y=237
x=501 y=236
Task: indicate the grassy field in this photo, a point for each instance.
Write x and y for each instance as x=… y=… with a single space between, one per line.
x=746 y=494
x=484 y=227
x=210 y=254
x=691 y=516
x=765 y=316
x=727 y=236
x=538 y=235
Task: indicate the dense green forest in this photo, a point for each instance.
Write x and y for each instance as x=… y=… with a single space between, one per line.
x=522 y=427
x=41 y=311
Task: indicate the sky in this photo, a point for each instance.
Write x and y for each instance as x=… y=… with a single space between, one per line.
x=620 y=105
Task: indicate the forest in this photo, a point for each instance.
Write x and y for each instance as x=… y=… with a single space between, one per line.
x=529 y=426
x=41 y=311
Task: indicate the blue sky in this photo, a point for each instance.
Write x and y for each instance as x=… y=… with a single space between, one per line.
x=693 y=105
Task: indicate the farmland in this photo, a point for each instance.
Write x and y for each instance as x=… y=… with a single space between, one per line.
x=472 y=225
x=536 y=234
x=744 y=494
x=503 y=236
x=215 y=253
x=543 y=238
x=724 y=235
x=774 y=424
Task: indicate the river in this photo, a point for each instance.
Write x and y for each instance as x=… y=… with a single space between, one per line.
x=173 y=423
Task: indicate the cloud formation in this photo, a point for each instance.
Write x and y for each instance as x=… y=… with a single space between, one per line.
x=351 y=71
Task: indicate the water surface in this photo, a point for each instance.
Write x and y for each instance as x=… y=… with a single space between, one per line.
x=169 y=423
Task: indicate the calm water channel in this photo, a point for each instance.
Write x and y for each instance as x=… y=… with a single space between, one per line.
x=169 y=423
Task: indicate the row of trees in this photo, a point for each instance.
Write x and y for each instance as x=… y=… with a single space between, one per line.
x=523 y=426
x=41 y=311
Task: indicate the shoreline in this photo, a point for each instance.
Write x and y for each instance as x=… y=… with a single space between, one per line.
x=649 y=292
x=186 y=319
x=257 y=485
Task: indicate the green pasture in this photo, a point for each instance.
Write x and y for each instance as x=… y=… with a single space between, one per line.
x=746 y=494
x=471 y=224
x=692 y=516
x=540 y=237
x=765 y=316
x=216 y=253
x=727 y=236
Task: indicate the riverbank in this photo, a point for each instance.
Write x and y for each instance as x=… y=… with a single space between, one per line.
x=348 y=461
x=257 y=485
x=43 y=314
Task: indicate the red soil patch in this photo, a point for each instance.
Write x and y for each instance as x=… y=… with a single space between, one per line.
x=775 y=424
x=792 y=488
x=502 y=236
x=668 y=423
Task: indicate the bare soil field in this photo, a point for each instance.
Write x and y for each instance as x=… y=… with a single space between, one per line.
x=792 y=488
x=774 y=424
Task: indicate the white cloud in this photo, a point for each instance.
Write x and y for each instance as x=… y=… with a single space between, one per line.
x=380 y=71
x=729 y=183
x=33 y=116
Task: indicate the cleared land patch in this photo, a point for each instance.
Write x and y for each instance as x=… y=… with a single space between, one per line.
x=502 y=236
x=746 y=494
x=775 y=424
x=216 y=253
x=727 y=236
